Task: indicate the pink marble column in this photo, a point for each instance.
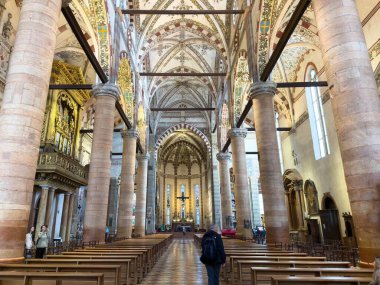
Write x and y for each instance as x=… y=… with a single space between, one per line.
x=42 y=209
x=100 y=165
x=127 y=184
x=356 y=108
x=21 y=118
x=65 y=216
x=241 y=190
x=275 y=210
x=225 y=188
x=49 y=207
x=141 y=179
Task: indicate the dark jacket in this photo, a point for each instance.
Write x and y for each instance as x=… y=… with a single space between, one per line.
x=219 y=247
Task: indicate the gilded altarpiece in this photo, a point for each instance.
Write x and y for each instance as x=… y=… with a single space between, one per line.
x=58 y=163
x=126 y=86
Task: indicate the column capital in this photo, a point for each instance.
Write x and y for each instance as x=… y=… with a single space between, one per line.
x=106 y=89
x=131 y=133
x=237 y=132
x=143 y=156
x=45 y=187
x=262 y=88
x=223 y=156
x=297 y=185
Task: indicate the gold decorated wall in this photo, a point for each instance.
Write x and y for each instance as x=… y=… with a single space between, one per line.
x=63 y=112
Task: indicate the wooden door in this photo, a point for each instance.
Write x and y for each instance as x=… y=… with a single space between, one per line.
x=330 y=224
x=313 y=231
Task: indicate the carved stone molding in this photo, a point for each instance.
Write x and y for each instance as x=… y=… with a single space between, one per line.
x=223 y=156
x=61 y=168
x=237 y=132
x=106 y=89
x=297 y=185
x=132 y=133
x=262 y=88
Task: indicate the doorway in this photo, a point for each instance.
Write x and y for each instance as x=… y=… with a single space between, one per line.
x=330 y=220
x=313 y=231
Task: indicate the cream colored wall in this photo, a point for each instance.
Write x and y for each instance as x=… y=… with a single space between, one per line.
x=327 y=173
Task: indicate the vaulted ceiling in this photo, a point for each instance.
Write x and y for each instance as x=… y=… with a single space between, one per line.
x=182 y=43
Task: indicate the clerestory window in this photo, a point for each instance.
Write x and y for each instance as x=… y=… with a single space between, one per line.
x=316 y=117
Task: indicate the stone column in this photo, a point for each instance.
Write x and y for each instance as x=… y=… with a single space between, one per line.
x=239 y=162
x=70 y=216
x=225 y=189
x=49 y=208
x=42 y=209
x=151 y=195
x=127 y=184
x=100 y=165
x=297 y=187
x=65 y=215
x=142 y=180
x=216 y=195
x=275 y=210
x=22 y=116
x=356 y=108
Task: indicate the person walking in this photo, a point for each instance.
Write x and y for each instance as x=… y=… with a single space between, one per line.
x=29 y=237
x=42 y=241
x=213 y=255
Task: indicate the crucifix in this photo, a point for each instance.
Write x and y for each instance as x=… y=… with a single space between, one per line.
x=183 y=198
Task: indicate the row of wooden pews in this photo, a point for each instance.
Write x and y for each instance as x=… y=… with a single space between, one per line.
x=121 y=263
x=249 y=263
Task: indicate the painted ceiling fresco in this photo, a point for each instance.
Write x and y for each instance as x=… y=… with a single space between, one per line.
x=183 y=44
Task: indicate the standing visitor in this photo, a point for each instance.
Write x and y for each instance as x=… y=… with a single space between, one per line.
x=29 y=243
x=42 y=241
x=213 y=255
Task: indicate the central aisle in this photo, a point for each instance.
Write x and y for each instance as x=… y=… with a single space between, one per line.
x=179 y=265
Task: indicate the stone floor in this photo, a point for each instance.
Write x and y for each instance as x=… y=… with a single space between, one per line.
x=179 y=265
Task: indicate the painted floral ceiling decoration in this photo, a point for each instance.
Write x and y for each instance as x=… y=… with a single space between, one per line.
x=182 y=44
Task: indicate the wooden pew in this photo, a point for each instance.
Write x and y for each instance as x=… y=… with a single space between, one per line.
x=290 y=263
x=262 y=275
x=114 y=270
x=123 y=263
x=146 y=258
x=137 y=264
x=233 y=255
x=290 y=280
x=243 y=263
x=28 y=277
x=134 y=261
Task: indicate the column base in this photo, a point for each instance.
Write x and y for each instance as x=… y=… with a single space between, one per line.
x=368 y=254
x=244 y=234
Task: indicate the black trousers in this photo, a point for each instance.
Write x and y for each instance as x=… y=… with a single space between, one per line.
x=40 y=251
x=213 y=274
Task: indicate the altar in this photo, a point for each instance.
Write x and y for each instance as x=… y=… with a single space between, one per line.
x=177 y=226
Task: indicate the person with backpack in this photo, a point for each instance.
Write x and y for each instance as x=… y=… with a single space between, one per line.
x=213 y=255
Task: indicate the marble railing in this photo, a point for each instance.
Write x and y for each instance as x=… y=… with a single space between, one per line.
x=62 y=164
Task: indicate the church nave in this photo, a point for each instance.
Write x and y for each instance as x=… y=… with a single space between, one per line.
x=179 y=265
